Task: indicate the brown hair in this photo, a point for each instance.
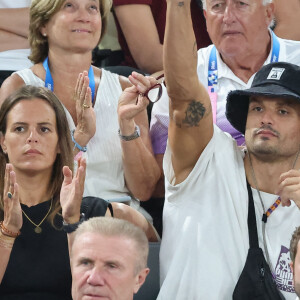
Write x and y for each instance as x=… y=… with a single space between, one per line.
x=41 y=11
x=294 y=244
x=64 y=158
x=112 y=227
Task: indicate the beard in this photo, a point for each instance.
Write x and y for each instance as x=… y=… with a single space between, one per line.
x=260 y=147
x=264 y=152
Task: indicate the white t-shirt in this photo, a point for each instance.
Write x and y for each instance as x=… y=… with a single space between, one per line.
x=205 y=238
x=227 y=81
x=13 y=60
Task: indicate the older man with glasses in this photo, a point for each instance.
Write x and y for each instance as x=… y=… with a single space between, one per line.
x=242 y=44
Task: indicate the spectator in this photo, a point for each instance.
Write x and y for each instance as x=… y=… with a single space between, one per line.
x=245 y=47
x=62 y=39
x=287 y=19
x=108 y=259
x=14 y=24
x=295 y=257
x=141 y=27
x=35 y=145
x=206 y=237
x=243 y=44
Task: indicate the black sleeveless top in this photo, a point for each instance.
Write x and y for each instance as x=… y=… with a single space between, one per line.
x=39 y=266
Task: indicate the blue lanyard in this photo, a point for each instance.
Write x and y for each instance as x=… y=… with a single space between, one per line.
x=212 y=78
x=49 y=80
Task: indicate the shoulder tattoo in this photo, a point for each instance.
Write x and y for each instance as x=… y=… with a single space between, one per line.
x=180 y=3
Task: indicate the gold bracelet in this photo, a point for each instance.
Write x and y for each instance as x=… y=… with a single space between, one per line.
x=7 y=232
x=6 y=241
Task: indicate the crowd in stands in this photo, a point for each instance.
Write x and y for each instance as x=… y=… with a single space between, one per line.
x=92 y=169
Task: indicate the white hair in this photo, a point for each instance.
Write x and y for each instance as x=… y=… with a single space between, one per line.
x=264 y=2
x=116 y=227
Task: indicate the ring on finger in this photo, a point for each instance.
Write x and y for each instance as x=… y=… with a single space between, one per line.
x=84 y=106
x=9 y=195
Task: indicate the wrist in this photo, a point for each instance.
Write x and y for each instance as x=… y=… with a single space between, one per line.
x=71 y=227
x=71 y=219
x=7 y=232
x=127 y=127
x=134 y=135
x=80 y=140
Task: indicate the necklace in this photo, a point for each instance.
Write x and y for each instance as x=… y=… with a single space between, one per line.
x=266 y=213
x=37 y=228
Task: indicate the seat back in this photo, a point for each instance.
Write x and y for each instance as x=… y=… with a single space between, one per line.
x=150 y=289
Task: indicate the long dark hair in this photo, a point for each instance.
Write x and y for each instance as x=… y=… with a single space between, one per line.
x=64 y=158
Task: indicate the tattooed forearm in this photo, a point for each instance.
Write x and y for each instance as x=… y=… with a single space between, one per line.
x=194 y=114
x=181 y=3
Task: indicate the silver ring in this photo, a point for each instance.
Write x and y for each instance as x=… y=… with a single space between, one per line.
x=9 y=195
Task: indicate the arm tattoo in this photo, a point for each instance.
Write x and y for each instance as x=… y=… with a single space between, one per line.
x=194 y=114
x=181 y=3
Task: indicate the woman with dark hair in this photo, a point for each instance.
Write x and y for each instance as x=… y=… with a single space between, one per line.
x=62 y=37
x=36 y=163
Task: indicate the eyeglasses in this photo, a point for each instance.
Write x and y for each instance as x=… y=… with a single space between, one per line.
x=154 y=93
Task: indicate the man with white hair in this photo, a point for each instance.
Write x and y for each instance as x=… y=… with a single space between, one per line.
x=108 y=259
x=242 y=44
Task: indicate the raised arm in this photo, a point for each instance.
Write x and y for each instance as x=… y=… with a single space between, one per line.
x=140 y=167
x=191 y=126
x=140 y=32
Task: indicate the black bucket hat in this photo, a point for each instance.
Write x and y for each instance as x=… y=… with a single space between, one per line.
x=273 y=80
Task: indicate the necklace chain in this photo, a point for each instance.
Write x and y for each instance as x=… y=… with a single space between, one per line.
x=267 y=213
x=38 y=229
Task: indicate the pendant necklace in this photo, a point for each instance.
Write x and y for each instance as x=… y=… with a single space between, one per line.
x=38 y=228
x=266 y=213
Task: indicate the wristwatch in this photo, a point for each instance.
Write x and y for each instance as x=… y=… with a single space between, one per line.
x=131 y=137
x=69 y=228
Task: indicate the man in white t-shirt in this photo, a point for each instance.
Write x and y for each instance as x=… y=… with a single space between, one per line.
x=295 y=259
x=205 y=239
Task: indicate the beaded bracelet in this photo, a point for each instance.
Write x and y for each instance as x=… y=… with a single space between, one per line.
x=7 y=232
x=76 y=145
x=6 y=241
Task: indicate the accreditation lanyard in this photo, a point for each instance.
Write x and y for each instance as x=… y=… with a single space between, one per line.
x=49 y=80
x=213 y=73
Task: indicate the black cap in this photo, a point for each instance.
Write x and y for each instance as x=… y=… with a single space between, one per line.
x=273 y=80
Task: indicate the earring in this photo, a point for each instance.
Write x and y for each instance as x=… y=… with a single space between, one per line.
x=45 y=34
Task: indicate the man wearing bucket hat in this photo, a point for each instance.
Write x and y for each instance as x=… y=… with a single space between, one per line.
x=224 y=238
